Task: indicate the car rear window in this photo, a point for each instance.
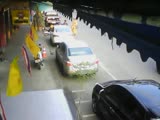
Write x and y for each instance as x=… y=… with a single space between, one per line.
x=62 y=29
x=149 y=95
x=51 y=14
x=79 y=51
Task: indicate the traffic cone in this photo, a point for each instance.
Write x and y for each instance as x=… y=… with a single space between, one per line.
x=44 y=53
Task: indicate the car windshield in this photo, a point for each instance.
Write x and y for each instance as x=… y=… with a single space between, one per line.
x=79 y=51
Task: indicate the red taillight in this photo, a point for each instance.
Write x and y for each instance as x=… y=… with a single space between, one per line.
x=68 y=63
x=97 y=61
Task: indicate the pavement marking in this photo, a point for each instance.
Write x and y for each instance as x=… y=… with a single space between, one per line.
x=82 y=101
x=74 y=91
x=88 y=115
x=106 y=70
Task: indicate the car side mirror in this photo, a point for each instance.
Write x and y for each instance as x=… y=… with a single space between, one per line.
x=101 y=91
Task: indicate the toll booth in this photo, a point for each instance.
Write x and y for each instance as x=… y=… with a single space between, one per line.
x=20 y=13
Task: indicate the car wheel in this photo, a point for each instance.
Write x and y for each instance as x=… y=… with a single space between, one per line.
x=39 y=67
x=51 y=41
x=158 y=67
x=57 y=58
x=63 y=71
x=94 y=104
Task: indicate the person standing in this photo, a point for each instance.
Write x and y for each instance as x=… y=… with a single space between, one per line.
x=39 y=56
x=74 y=27
x=51 y=28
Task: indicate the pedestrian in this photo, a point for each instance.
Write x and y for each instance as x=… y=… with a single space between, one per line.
x=74 y=27
x=39 y=56
x=51 y=28
x=39 y=59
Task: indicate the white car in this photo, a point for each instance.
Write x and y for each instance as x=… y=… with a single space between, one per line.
x=53 y=12
x=75 y=57
x=61 y=33
x=51 y=17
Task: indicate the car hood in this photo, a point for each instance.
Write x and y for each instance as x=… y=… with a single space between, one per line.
x=84 y=59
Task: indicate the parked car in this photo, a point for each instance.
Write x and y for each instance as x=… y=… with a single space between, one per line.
x=75 y=57
x=127 y=100
x=60 y=32
x=51 y=17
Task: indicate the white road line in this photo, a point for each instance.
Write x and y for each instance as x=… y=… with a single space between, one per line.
x=106 y=70
x=89 y=115
x=82 y=101
x=74 y=91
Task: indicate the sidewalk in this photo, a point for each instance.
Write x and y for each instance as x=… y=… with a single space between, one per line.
x=38 y=79
x=13 y=49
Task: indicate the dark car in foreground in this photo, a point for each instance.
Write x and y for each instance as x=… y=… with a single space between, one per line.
x=127 y=100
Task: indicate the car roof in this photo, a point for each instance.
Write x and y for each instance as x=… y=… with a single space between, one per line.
x=147 y=92
x=51 y=105
x=75 y=43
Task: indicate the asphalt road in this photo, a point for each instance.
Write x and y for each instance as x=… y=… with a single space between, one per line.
x=50 y=76
x=81 y=87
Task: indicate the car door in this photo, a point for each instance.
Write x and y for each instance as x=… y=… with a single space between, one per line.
x=107 y=111
x=125 y=105
x=112 y=111
x=129 y=106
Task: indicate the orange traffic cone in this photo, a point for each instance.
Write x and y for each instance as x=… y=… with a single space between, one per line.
x=44 y=53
